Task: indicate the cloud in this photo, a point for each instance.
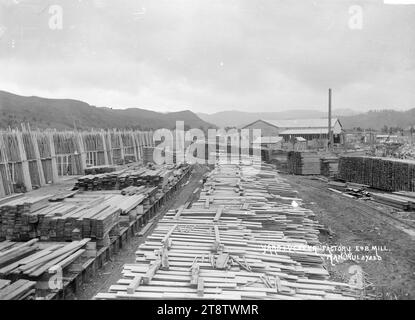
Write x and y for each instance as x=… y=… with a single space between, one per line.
x=211 y=55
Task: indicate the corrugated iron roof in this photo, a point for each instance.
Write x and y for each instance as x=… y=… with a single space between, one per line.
x=268 y=140
x=305 y=131
x=302 y=123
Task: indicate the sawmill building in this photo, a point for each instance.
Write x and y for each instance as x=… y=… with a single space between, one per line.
x=309 y=129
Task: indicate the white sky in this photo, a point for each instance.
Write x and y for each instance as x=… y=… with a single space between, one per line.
x=210 y=55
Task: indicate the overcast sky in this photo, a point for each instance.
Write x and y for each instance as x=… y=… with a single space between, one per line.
x=210 y=55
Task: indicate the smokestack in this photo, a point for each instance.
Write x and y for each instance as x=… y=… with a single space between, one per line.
x=330 y=136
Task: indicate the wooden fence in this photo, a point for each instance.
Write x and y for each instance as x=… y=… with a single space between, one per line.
x=36 y=158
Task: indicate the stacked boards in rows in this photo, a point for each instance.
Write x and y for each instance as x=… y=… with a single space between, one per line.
x=329 y=166
x=303 y=163
x=19 y=290
x=162 y=177
x=380 y=173
x=91 y=215
x=32 y=269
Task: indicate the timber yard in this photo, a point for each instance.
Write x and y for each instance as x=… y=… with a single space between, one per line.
x=89 y=215
x=206 y=158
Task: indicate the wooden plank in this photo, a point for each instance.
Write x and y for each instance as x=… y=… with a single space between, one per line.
x=218 y=213
x=151 y=271
x=25 y=165
x=134 y=284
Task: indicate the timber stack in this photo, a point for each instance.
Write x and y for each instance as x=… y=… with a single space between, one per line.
x=329 y=166
x=303 y=163
x=379 y=173
x=160 y=177
x=19 y=290
x=81 y=215
x=232 y=244
x=99 y=169
x=35 y=263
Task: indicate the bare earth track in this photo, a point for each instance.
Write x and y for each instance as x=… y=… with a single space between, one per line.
x=357 y=223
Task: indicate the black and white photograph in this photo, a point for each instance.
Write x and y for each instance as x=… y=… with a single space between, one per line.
x=207 y=156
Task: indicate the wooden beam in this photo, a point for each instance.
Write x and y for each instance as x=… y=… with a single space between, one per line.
x=195 y=275
x=134 y=146
x=2 y=191
x=111 y=151
x=151 y=271
x=134 y=285
x=218 y=213
x=217 y=235
x=200 y=287
x=122 y=147
x=179 y=212
x=25 y=164
x=33 y=137
x=105 y=148
x=55 y=176
x=167 y=236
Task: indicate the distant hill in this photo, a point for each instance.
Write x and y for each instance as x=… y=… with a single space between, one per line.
x=66 y=113
x=378 y=119
x=239 y=118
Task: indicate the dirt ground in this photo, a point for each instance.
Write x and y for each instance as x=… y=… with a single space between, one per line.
x=359 y=223
x=111 y=272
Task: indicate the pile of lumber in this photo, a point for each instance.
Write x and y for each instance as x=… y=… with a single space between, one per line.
x=280 y=158
x=19 y=290
x=398 y=201
x=349 y=189
x=85 y=216
x=401 y=200
x=100 y=169
x=91 y=215
x=161 y=177
x=217 y=247
x=15 y=223
x=303 y=163
x=380 y=173
x=33 y=258
x=329 y=166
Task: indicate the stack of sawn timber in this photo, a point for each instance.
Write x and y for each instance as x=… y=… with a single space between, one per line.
x=91 y=215
x=380 y=173
x=303 y=163
x=160 y=177
x=329 y=166
x=100 y=169
x=15 y=222
x=38 y=262
x=19 y=290
x=217 y=248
